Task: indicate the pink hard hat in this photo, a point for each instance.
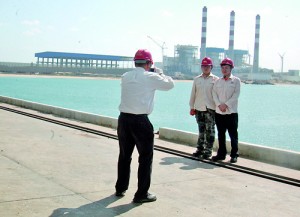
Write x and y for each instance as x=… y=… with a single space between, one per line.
x=143 y=56
x=227 y=61
x=207 y=62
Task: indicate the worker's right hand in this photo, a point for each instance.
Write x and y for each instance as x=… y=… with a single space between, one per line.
x=159 y=71
x=223 y=107
x=192 y=112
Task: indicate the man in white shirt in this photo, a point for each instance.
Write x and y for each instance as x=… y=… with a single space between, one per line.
x=203 y=106
x=226 y=92
x=134 y=128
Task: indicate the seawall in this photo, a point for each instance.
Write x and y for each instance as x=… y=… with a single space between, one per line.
x=280 y=157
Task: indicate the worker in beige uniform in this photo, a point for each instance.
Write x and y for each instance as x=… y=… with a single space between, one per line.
x=203 y=107
x=226 y=92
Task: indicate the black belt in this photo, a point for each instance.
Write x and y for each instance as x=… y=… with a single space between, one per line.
x=130 y=114
x=207 y=109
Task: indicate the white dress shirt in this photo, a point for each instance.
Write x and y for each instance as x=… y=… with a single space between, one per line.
x=227 y=92
x=137 y=90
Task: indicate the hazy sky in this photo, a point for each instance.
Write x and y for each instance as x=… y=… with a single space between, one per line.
x=120 y=27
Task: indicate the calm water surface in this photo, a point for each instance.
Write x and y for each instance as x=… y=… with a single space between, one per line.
x=268 y=114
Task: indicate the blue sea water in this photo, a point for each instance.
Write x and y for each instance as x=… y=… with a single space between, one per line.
x=268 y=114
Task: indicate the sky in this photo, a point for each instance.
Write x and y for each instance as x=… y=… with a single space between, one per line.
x=121 y=27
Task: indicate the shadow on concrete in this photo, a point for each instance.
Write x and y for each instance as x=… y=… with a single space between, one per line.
x=187 y=163
x=96 y=209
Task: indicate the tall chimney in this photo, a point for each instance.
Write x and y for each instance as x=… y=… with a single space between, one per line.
x=203 y=34
x=231 y=36
x=255 y=68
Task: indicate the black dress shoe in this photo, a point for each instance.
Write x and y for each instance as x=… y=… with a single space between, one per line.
x=206 y=156
x=217 y=158
x=197 y=153
x=149 y=198
x=233 y=160
x=120 y=193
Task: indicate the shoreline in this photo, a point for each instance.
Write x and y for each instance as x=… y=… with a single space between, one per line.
x=107 y=77
x=70 y=76
x=57 y=76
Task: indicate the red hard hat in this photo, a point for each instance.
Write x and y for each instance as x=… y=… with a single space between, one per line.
x=207 y=62
x=143 y=56
x=227 y=61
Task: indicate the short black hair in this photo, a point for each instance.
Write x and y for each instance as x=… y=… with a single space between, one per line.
x=141 y=64
x=227 y=65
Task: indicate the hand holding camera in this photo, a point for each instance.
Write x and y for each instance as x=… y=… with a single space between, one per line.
x=157 y=70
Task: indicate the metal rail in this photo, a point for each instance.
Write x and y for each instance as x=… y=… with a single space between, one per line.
x=235 y=167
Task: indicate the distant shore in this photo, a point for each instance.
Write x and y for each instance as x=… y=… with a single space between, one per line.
x=107 y=77
x=58 y=76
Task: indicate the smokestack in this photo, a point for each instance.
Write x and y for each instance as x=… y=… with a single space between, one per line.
x=203 y=34
x=255 y=68
x=231 y=36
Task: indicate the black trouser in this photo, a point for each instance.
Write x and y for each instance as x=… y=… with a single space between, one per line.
x=227 y=122
x=135 y=130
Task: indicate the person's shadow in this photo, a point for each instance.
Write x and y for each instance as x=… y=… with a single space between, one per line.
x=95 y=209
x=187 y=163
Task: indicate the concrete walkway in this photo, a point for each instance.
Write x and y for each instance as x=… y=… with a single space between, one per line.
x=51 y=170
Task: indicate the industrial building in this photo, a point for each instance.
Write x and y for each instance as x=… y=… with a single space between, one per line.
x=72 y=63
x=186 y=58
x=78 y=60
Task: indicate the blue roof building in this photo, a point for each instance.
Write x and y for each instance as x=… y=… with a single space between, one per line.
x=78 y=60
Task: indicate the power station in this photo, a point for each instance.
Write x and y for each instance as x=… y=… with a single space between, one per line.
x=185 y=56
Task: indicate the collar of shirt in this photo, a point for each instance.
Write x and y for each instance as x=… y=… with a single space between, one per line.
x=230 y=77
x=139 y=69
x=202 y=75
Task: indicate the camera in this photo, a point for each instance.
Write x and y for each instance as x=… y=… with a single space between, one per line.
x=152 y=70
